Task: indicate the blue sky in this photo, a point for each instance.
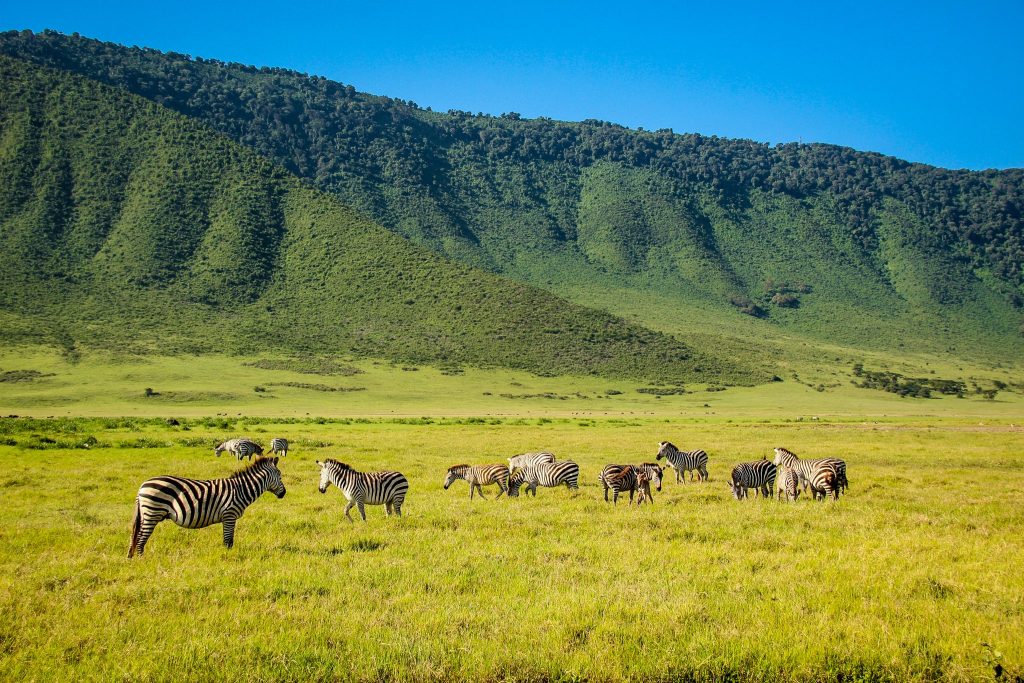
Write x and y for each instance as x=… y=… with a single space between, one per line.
x=936 y=82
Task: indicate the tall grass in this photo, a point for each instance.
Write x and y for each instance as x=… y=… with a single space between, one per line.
x=902 y=579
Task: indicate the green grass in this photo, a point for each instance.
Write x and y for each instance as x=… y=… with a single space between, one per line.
x=902 y=580
x=103 y=383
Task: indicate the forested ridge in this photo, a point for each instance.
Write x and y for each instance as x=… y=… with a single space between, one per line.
x=591 y=206
x=127 y=226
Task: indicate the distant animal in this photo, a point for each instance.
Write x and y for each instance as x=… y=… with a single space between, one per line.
x=643 y=488
x=479 y=476
x=524 y=459
x=684 y=461
x=240 y=448
x=198 y=503
x=814 y=473
x=653 y=470
x=787 y=484
x=279 y=445
x=758 y=475
x=547 y=474
x=364 y=488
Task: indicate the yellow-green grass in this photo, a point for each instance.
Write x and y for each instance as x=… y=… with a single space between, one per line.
x=903 y=579
x=100 y=383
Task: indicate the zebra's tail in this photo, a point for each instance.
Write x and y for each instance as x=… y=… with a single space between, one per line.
x=136 y=528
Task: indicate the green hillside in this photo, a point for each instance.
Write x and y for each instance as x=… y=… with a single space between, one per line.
x=127 y=226
x=724 y=239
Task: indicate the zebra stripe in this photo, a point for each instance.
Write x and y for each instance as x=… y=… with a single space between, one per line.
x=240 y=448
x=548 y=474
x=684 y=461
x=364 y=488
x=758 y=475
x=524 y=459
x=478 y=477
x=279 y=446
x=198 y=503
x=787 y=484
x=652 y=469
x=822 y=475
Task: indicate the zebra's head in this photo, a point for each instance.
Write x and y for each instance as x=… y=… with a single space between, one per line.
x=515 y=481
x=784 y=456
x=664 y=447
x=654 y=473
x=328 y=470
x=220 y=448
x=454 y=472
x=274 y=483
x=738 y=491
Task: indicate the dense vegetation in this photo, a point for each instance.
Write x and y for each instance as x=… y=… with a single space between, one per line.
x=127 y=225
x=599 y=212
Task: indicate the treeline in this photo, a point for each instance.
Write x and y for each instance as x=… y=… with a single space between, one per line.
x=350 y=143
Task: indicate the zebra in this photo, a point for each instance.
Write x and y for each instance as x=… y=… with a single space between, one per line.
x=198 y=503
x=364 y=488
x=758 y=475
x=622 y=478
x=643 y=488
x=787 y=484
x=240 y=448
x=684 y=461
x=547 y=474
x=814 y=473
x=653 y=470
x=524 y=459
x=479 y=476
x=279 y=445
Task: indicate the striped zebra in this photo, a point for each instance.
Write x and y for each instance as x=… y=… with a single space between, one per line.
x=479 y=476
x=652 y=469
x=758 y=475
x=279 y=445
x=684 y=461
x=824 y=476
x=240 y=448
x=524 y=459
x=364 y=488
x=547 y=474
x=787 y=484
x=631 y=478
x=198 y=503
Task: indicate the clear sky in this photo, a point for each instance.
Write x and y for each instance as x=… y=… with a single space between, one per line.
x=936 y=82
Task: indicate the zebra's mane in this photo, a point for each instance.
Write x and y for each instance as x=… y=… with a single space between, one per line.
x=786 y=451
x=669 y=444
x=338 y=465
x=456 y=467
x=257 y=464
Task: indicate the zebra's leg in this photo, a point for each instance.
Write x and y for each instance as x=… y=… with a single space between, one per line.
x=480 y=490
x=229 y=531
x=605 y=493
x=362 y=510
x=398 y=509
x=387 y=508
x=501 y=490
x=348 y=513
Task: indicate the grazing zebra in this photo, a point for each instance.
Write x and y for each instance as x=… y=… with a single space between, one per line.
x=758 y=475
x=478 y=477
x=279 y=446
x=364 y=488
x=787 y=484
x=814 y=473
x=684 y=461
x=240 y=448
x=652 y=469
x=524 y=459
x=547 y=474
x=197 y=503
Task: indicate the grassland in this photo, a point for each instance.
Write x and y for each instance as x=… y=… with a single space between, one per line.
x=904 y=579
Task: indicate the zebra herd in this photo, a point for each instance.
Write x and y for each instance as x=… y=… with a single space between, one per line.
x=197 y=503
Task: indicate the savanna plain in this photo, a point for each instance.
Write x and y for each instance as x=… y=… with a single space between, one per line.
x=914 y=575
